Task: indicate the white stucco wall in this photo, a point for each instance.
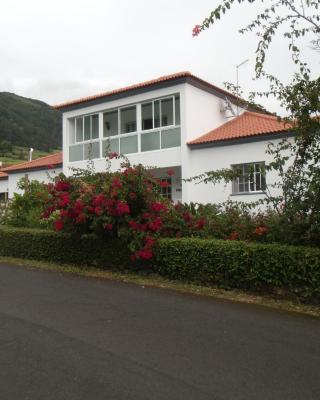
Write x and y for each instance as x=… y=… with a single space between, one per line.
x=213 y=158
x=39 y=175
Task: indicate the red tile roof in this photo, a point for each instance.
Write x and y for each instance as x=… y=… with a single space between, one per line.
x=246 y=125
x=166 y=78
x=47 y=162
x=3 y=175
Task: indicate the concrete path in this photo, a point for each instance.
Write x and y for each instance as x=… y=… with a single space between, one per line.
x=72 y=338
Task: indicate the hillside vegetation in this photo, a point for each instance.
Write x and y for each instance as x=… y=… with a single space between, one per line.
x=27 y=123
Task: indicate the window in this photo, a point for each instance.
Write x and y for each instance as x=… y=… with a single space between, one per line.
x=128 y=118
x=160 y=113
x=110 y=123
x=166 y=188
x=87 y=128
x=251 y=178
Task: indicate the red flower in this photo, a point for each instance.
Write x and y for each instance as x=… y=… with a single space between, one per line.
x=170 y=172
x=133 y=257
x=116 y=183
x=144 y=254
x=186 y=216
x=158 y=207
x=50 y=166
x=81 y=218
x=58 y=225
x=156 y=224
x=149 y=241
x=98 y=210
x=200 y=223
x=99 y=200
x=64 y=200
x=132 y=195
x=260 y=230
x=61 y=186
x=196 y=30
x=123 y=208
x=108 y=227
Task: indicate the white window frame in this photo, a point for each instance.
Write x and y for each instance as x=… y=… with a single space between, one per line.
x=236 y=181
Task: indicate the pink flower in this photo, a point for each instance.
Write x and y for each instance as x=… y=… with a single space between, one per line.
x=196 y=30
x=58 y=225
x=64 y=200
x=186 y=216
x=113 y=155
x=50 y=166
x=116 y=183
x=200 y=223
x=164 y=184
x=155 y=225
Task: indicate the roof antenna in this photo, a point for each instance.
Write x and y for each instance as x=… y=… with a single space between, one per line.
x=237 y=72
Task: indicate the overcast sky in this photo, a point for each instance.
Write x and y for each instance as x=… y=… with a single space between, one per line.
x=64 y=49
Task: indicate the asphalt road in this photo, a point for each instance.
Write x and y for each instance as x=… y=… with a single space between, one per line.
x=73 y=338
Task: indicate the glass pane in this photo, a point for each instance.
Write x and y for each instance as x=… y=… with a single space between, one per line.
x=95 y=126
x=110 y=123
x=150 y=141
x=157 y=113
x=110 y=146
x=146 y=116
x=167 y=112
x=177 y=109
x=128 y=118
x=72 y=132
x=76 y=153
x=87 y=128
x=129 y=144
x=170 y=138
x=263 y=181
x=79 y=129
x=91 y=150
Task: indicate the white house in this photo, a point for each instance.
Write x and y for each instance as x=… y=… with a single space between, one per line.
x=179 y=122
x=40 y=169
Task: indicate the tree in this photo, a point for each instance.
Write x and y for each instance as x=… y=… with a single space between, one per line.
x=299 y=203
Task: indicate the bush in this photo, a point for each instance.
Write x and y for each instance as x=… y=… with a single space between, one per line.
x=248 y=266
x=36 y=244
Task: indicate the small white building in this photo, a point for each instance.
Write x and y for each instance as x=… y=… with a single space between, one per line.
x=40 y=169
x=179 y=122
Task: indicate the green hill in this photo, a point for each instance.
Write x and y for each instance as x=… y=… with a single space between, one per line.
x=28 y=123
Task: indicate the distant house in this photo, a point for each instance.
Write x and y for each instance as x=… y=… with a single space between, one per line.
x=32 y=170
x=179 y=122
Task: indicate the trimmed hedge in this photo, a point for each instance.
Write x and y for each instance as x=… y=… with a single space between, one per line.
x=228 y=264
x=249 y=266
x=36 y=244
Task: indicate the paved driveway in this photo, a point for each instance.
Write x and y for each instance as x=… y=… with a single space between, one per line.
x=73 y=338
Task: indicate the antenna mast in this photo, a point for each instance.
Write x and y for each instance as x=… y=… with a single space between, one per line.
x=237 y=73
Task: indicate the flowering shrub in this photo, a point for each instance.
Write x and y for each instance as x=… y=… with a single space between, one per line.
x=126 y=203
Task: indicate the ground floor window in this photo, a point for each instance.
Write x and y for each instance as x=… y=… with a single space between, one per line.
x=251 y=178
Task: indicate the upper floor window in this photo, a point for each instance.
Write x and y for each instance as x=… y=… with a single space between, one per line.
x=251 y=178
x=152 y=125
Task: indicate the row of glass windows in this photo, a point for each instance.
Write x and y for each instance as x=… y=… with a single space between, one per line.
x=159 y=129
x=154 y=140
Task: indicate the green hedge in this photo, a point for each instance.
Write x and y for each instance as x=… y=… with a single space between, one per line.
x=294 y=270
x=248 y=266
x=36 y=244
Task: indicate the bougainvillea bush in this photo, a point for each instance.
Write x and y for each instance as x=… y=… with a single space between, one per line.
x=126 y=203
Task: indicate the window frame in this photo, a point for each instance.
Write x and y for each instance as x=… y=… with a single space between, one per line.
x=236 y=183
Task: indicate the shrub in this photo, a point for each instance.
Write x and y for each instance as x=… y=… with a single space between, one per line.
x=248 y=266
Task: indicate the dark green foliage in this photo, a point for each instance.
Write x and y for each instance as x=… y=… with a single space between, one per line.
x=36 y=244
x=27 y=122
x=248 y=266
